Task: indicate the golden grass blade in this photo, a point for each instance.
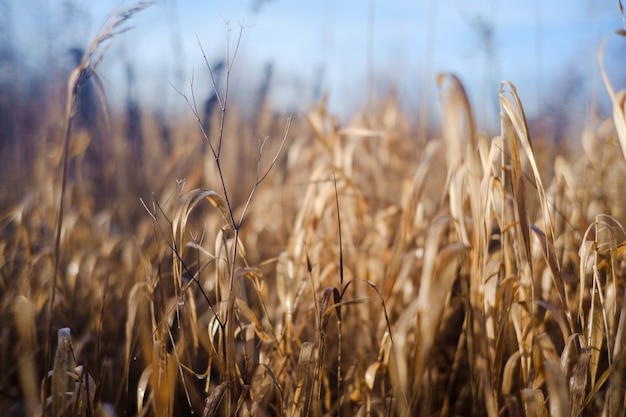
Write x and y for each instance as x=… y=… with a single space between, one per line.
x=595 y=335
x=549 y=255
x=24 y=318
x=458 y=120
x=547 y=349
x=615 y=403
x=619 y=103
x=558 y=391
x=432 y=150
x=459 y=132
x=142 y=389
x=264 y=388
x=559 y=317
x=515 y=112
x=179 y=225
x=84 y=394
x=370 y=375
x=304 y=397
x=522 y=323
x=135 y=300
x=578 y=382
x=435 y=236
x=218 y=201
x=569 y=353
x=504 y=298
x=186 y=205
x=163 y=382
x=585 y=254
x=409 y=212
x=457 y=210
x=327 y=308
x=517 y=180
x=434 y=291
x=406 y=361
x=534 y=403
x=511 y=369
x=382 y=363
x=285 y=286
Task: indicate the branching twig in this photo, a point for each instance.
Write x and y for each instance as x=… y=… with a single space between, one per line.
x=228 y=320
x=261 y=177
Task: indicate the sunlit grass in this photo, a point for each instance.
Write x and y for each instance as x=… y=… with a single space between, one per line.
x=317 y=269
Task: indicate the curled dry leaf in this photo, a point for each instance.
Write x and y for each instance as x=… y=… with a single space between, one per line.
x=142 y=389
x=327 y=308
x=213 y=401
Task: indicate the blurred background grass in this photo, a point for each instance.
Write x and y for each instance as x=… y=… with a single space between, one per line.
x=403 y=212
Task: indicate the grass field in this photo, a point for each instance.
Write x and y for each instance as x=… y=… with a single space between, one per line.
x=293 y=265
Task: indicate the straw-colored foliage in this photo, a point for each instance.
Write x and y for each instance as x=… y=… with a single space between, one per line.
x=323 y=270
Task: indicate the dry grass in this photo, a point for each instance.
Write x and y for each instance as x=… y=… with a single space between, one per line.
x=325 y=270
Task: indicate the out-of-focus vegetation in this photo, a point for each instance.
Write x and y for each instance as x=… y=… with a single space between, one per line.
x=218 y=264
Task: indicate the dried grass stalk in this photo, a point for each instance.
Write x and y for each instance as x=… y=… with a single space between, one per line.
x=61 y=370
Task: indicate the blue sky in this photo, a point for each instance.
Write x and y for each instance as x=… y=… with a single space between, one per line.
x=536 y=44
